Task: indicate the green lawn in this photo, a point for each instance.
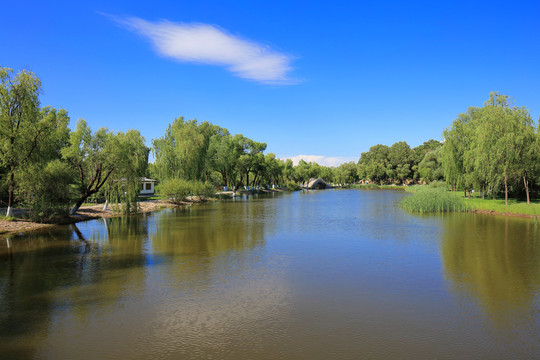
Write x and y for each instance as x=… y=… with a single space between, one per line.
x=422 y=199
x=497 y=205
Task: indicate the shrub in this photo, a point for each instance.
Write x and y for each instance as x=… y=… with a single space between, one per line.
x=438 y=184
x=292 y=186
x=179 y=189
x=48 y=191
x=437 y=199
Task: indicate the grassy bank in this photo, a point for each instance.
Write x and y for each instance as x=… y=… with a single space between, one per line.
x=498 y=206
x=375 y=186
x=427 y=199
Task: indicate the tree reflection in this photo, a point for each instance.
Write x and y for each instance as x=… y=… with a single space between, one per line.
x=496 y=260
x=68 y=269
x=210 y=230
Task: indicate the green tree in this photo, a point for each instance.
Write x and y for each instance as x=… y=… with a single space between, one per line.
x=419 y=153
x=400 y=157
x=457 y=141
x=48 y=192
x=249 y=159
x=223 y=157
x=373 y=164
x=96 y=156
x=430 y=168
x=25 y=129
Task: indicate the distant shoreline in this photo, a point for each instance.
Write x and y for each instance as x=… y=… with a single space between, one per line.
x=92 y=212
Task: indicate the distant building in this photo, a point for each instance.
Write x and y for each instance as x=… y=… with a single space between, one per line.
x=147 y=186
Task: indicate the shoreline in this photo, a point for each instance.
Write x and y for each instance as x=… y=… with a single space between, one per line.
x=85 y=213
x=493 y=212
x=92 y=212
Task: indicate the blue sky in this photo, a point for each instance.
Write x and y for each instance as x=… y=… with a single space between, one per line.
x=312 y=78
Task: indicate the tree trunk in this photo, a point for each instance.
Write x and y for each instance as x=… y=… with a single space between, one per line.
x=75 y=208
x=526 y=188
x=483 y=191
x=505 y=189
x=10 y=192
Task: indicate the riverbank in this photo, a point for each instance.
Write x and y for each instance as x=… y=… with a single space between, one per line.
x=19 y=225
x=428 y=199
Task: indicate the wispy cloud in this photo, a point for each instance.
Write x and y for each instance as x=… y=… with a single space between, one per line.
x=322 y=160
x=207 y=44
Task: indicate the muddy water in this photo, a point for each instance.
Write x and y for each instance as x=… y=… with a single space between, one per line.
x=338 y=274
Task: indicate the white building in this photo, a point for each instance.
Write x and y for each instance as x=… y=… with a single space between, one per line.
x=147 y=186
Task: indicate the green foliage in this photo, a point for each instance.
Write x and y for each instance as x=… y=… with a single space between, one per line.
x=101 y=156
x=490 y=147
x=498 y=205
x=430 y=168
x=292 y=186
x=28 y=133
x=429 y=200
x=177 y=190
x=438 y=184
x=48 y=191
x=374 y=163
x=346 y=173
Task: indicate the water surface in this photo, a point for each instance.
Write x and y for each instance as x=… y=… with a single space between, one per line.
x=340 y=274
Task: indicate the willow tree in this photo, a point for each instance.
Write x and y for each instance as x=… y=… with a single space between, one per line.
x=251 y=156
x=24 y=127
x=101 y=156
x=503 y=141
x=223 y=157
x=131 y=156
x=453 y=154
x=183 y=150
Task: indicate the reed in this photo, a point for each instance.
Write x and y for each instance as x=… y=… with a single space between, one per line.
x=433 y=200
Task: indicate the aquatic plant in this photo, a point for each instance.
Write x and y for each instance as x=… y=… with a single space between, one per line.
x=438 y=199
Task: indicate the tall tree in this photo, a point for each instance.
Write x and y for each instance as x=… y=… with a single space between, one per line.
x=374 y=163
x=430 y=168
x=250 y=158
x=400 y=157
x=97 y=156
x=506 y=135
x=24 y=127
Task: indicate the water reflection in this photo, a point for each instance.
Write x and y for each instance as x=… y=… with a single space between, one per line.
x=212 y=229
x=334 y=274
x=78 y=270
x=496 y=261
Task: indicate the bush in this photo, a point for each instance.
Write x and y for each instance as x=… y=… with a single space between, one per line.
x=179 y=189
x=438 y=184
x=437 y=199
x=47 y=192
x=292 y=186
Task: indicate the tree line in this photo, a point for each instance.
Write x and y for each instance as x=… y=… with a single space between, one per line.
x=494 y=149
x=48 y=168
x=201 y=151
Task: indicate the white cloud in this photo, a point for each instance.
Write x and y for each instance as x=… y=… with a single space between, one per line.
x=207 y=44
x=321 y=160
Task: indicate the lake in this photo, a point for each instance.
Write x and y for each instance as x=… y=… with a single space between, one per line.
x=333 y=274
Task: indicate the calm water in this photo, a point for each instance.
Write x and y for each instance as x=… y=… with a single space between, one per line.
x=340 y=274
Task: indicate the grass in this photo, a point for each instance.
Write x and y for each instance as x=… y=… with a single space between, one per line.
x=437 y=199
x=375 y=186
x=497 y=205
x=433 y=200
